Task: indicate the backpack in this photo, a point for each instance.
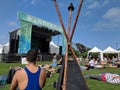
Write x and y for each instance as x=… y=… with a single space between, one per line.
x=10 y=75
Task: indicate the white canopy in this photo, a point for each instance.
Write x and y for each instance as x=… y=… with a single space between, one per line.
x=96 y=50
x=54 y=48
x=6 y=48
x=110 y=50
x=1 y=49
x=52 y=44
x=119 y=54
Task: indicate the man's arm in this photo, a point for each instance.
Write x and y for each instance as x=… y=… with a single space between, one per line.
x=116 y=77
x=43 y=77
x=14 y=83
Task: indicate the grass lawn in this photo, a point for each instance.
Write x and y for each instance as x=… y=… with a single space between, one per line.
x=92 y=84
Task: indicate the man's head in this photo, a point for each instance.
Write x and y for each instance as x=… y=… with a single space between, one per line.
x=31 y=56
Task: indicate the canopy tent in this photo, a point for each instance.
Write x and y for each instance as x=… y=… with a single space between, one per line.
x=119 y=54
x=1 y=49
x=96 y=50
x=54 y=48
x=110 y=50
x=6 y=48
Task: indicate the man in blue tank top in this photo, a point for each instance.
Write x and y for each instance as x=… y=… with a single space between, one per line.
x=32 y=77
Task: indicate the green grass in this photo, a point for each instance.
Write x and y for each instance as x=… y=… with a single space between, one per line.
x=92 y=84
x=100 y=85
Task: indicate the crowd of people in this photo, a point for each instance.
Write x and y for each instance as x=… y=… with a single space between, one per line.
x=95 y=63
x=34 y=76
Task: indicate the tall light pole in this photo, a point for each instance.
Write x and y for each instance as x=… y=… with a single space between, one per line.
x=70 y=9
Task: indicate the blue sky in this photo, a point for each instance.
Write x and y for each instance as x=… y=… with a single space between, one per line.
x=98 y=23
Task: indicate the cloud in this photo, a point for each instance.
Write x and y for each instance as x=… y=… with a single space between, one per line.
x=62 y=4
x=12 y=23
x=25 y=0
x=106 y=26
x=34 y=2
x=105 y=2
x=110 y=21
x=88 y=13
x=96 y=4
x=112 y=13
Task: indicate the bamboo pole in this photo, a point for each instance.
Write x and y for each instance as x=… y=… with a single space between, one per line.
x=62 y=24
x=68 y=38
x=65 y=69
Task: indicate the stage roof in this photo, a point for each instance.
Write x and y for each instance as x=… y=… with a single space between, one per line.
x=38 y=22
x=43 y=31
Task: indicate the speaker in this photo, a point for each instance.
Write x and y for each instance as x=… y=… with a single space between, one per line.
x=60 y=50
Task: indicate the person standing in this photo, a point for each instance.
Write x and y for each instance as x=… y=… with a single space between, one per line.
x=32 y=77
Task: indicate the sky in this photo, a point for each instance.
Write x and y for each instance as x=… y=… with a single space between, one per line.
x=98 y=23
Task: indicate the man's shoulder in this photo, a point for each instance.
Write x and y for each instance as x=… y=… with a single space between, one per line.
x=19 y=72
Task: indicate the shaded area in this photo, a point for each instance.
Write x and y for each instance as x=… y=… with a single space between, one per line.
x=75 y=79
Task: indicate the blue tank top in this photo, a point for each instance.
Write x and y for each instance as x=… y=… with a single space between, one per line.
x=33 y=80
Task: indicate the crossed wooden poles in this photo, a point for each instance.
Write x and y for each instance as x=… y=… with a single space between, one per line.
x=68 y=36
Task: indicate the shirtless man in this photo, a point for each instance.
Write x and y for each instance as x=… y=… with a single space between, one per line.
x=32 y=77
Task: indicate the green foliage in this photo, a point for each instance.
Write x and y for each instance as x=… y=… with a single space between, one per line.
x=76 y=53
x=84 y=54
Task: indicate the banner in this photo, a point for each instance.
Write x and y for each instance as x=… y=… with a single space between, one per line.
x=64 y=43
x=38 y=21
x=25 y=37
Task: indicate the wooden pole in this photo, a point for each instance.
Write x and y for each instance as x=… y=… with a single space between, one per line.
x=68 y=38
x=62 y=24
x=65 y=69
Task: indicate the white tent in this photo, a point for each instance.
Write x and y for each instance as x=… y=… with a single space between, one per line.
x=54 y=48
x=119 y=54
x=1 y=49
x=6 y=48
x=96 y=50
x=110 y=50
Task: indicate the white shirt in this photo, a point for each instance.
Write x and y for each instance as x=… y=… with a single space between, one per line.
x=110 y=79
x=92 y=63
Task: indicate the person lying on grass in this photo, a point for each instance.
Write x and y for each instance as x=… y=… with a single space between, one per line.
x=106 y=77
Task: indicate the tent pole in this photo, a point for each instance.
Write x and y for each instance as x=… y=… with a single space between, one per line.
x=65 y=33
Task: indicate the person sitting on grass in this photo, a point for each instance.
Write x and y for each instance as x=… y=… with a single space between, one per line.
x=92 y=63
x=54 y=60
x=114 y=65
x=106 y=77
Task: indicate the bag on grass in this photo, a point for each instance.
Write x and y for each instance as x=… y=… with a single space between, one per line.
x=10 y=76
